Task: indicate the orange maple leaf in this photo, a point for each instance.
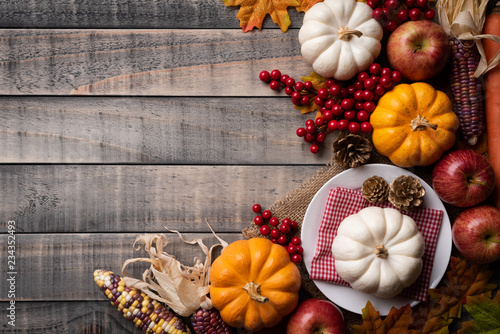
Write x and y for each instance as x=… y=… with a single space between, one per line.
x=253 y=12
x=397 y=321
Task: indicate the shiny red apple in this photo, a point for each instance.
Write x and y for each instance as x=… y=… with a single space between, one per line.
x=476 y=234
x=316 y=316
x=419 y=49
x=463 y=178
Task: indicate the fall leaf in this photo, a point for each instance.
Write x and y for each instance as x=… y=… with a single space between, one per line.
x=397 y=321
x=253 y=12
x=317 y=80
x=486 y=314
x=305 y=109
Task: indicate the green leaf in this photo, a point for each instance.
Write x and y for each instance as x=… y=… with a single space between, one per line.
x=486 y=314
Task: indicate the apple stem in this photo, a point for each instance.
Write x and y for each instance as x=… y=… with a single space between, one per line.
x=421 y=123
x=474 y=181
x=381 y=251
x=253 y=290
x=347 y=34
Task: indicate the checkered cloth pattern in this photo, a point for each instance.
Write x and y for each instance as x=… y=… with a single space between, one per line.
x=343 y=202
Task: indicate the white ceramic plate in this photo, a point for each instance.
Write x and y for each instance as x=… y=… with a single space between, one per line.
x=353 y=178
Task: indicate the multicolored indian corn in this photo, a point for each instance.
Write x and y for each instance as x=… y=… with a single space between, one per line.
x=210 y=322
x=467 y=90
x=146 y=313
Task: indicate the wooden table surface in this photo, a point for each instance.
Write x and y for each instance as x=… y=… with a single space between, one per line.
x=121 y=117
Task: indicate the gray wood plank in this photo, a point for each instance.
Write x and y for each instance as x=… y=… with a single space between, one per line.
x=125 y=14
x=145 y=62
x=197 y=130
x=61 y=266
x=92 y=198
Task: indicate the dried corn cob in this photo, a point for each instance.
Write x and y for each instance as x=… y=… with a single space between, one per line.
x=146 y=313
x=467 y=89
x=210 y=321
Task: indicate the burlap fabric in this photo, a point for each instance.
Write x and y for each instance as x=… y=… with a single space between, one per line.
x=295 y=203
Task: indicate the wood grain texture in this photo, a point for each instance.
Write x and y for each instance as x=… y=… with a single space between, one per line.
x=66 y=317
x=90 y=198
x=197 y=130
x=145 y=62
x=165 y=14
x=61 y=266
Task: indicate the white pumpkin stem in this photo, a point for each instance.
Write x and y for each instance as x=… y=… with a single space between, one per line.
x=381 y=251
x=347 y=34
x=253 y=290
x=421 y=123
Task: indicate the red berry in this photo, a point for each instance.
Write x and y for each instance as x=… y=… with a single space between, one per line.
x=347 y=104
x=329 y=82
x=320 y=137
x=354 y=127
x=414 y=14
x=430 y=14
x=343 y=124
x=319 y=101
x=265 y=76
x=309 y=122
x=286 y=221
x=369 y=106
x=335 y=90
x=329 y=104
x=256 y=208
x=266 y=214
x=328 y=115
x=300 y=250
x=296 y=258
x=362 y=76
x=265 y=230
x=285 y=228
x=372 y=4
x=368 y=95
x=337 y=110
x=362 y=116
x=369 y=84
x=314 y=148
x=386 y=71
x=343 y=93
x=379 y=90
x=403 y=15
x=351 y=89
x=308 y=85
x=387 y=13
x=319 y=121
x=396 y=76
x=366 y=127
x=378 y=14
x=332 y=125
x=391 y=25
x=274 y=240
x=276 y=75
x=274 y=221
x=282 y=240
x=375 y=69
x=423 y=4
x=386 y=82
x=350 y=115
x=410 y=3
x=296 y=96
x=283 y=78
x=275 y=233
x=358 y=85
x=274 y=85
x=310 y=128
x=258 y=220
x=290 y=82
x=292 y=249
x=358 y=95
x=323 y=93
x=310 y=136
x=391 y=4
x=299 y=86
x=359 y=105
x=294 y=225
x=289 y=90
x=296 y=241
x=304 y=100
x=375 y=78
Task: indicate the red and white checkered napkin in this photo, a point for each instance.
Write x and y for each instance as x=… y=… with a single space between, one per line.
x=343 y=202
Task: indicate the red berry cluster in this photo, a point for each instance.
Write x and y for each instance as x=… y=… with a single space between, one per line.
x=271 y=226
x=392 y=13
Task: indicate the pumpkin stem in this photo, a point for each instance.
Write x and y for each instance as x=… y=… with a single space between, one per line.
x=421 y=123
x=347 y=34
x=253 y=289
x=381 y=251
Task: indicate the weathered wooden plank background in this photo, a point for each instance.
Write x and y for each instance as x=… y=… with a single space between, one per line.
x=121 y=117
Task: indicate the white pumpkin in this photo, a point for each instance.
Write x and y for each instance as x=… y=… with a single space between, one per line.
x=378 y=251
x=340 y=38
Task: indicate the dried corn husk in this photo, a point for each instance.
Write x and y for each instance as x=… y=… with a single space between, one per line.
x=464 y=20
x=183 y=288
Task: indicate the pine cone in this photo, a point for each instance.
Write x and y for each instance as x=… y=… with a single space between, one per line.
x=350 y=150
x=406 y=192
x=375 y=189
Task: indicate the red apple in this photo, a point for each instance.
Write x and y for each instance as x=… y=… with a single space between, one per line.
x=463 y=178
x=316 y=316
x=476 y=234
x=418 y=49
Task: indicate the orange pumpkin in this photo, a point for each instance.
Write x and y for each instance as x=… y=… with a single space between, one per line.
x=254 y=284
x=413 y=125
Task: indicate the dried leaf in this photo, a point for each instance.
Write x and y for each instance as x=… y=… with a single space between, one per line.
x=397 y=321
x=305 y=5
x=486 y=314
x=317 y=80
x=305 y=109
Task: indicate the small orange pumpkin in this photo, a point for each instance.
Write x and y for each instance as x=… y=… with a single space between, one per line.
x=413 y=125
x=254 y=284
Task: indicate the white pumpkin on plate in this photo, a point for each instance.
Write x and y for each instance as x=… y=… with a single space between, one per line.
x=340 y=38
x=378 y=251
